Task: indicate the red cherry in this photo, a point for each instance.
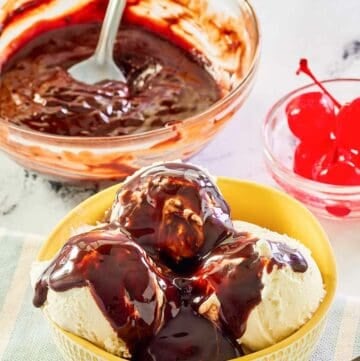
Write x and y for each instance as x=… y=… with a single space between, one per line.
x=311 y=116
x=307 y=155
x=339 y=173
x=330 y=147
x=348 y=125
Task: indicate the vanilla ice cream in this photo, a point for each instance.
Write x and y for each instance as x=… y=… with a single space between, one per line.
x=101 y=286
x=288 y=298
x=77 y=312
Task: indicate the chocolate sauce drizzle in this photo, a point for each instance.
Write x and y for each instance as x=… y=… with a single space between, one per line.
x=157 y=306
x=189 y=337
x=235 y=282
x=283 y=255
x=126 y=285
x=174 y=211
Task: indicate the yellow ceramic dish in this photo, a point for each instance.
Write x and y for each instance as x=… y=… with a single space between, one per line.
x=249 y=202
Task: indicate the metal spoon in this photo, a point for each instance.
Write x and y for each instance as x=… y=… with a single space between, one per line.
x=101 y=65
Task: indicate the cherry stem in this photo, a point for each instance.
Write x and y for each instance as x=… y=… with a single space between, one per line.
x=304 y=68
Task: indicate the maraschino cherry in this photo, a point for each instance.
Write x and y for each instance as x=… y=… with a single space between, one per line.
x=311 y=116
x=348 y=125
x=329 y=135
x=308 y=155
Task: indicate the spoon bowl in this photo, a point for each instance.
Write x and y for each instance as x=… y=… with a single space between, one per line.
x=90 y=71
x=101 y=65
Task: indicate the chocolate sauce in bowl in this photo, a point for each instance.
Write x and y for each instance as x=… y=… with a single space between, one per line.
x=165 y=85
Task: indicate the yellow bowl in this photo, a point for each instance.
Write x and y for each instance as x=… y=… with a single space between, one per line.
x=249 y=202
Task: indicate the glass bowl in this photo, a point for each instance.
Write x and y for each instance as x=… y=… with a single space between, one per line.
x=326 y=200
x=226 y=34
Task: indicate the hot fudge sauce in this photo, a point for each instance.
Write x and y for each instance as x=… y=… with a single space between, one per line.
x=173 y=210
x=127 y=286
x=164 y=85
x=189 y=337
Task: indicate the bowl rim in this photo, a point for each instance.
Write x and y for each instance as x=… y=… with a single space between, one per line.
x=231 y=96
x=287 y=174
x=314 y=321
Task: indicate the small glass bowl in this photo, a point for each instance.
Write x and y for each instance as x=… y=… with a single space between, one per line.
x=326 y=200
x=76 y=159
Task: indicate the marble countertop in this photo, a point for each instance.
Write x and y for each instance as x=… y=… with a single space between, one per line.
x=324 y=31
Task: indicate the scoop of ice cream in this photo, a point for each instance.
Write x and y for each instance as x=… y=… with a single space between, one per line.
x=263 y=286
x=173 y=209
x=103 y=287
x=77 y=312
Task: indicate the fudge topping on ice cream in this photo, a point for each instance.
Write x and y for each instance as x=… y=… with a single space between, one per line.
x=233 y=272
x=173 y=210
x=189 y=337
x=283 y=255
x=237 y=285
x=124 y=282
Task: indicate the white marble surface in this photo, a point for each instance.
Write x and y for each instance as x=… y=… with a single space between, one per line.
x=324 y=31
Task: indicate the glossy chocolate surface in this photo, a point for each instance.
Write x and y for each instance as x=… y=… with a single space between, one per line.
x=173 y=210
x=124 y=282
x=233 y=272
x=189 y=337
x=165 y=85
x=282 y=255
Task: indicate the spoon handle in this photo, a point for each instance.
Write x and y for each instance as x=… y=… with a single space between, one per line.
x=109 y=30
